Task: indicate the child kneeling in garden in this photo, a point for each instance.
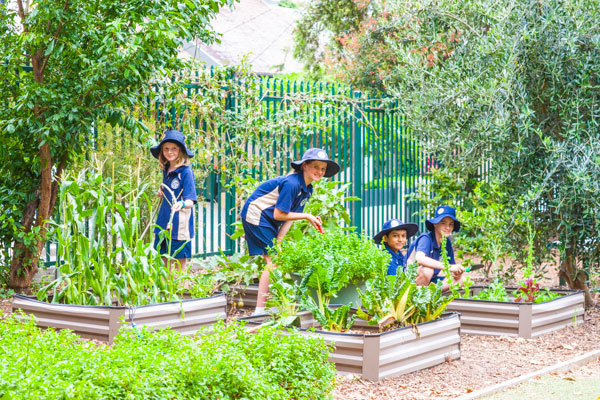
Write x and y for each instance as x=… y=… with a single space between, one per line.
x=394 y=235
x=271 y=209
x=426 y=250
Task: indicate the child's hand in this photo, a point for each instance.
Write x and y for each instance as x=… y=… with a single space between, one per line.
x=178 y=206
x=316 y=222
x=159 y=193
x=457 y=270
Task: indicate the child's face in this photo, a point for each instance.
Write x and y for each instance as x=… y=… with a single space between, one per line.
x=314 y=170
x=170 y=151
x=396 y=240
x=444 y=227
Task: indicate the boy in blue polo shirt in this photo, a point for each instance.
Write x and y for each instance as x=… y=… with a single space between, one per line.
x=178 y=193
x=394 y=235
x=426 y=250
x=271 y=209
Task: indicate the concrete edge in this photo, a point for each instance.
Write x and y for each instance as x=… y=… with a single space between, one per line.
x=563 y=366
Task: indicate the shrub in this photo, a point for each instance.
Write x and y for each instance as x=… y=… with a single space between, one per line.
x=229 y=364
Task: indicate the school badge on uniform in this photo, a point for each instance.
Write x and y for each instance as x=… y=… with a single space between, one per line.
x=175 y=184
x=303 y=202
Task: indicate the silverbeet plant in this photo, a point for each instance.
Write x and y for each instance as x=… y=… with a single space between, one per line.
x=329 y=262
x=396 y=301
x=106 y=255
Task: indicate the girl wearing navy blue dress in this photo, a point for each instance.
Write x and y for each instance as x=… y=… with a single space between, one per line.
x=178 y=193
x=271 y=209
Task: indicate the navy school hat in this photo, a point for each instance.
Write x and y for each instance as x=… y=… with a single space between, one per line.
x=440 y=213
x=171 y=136
x=394 y=225
x=315 y=154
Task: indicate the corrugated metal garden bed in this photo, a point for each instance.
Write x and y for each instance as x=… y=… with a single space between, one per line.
x=525 y=320
x=376 y=355
x=103 y=322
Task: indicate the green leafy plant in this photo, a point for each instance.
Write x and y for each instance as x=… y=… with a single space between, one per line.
x=163 y=364
x=338 y=319
x=396 y=301
x=529 y=288
x=106 y=254
x=494 y=292
x=335 y=258
x=387 y=300
x=284 y=297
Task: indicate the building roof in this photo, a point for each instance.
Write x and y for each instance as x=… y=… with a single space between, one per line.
x=255 y=29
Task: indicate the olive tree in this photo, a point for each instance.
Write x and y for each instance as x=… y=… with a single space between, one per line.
x=65 y=65
x=510 y=85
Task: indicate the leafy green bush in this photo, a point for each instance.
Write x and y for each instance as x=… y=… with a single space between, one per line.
x=336 y=257
x=228 y=364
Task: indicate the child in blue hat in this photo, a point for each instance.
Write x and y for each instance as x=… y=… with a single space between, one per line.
x=394 y=235
x=271 y=209
x=178 y=194
x=426 y=250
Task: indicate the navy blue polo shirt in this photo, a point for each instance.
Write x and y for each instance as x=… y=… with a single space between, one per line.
x=428 y=245
x=287 y=193
x=398 y=261
x=181 y=181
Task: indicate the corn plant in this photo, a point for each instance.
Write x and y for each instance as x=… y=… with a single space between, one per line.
x=106 y=253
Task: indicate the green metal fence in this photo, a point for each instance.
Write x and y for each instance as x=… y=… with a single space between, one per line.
x=365 y=135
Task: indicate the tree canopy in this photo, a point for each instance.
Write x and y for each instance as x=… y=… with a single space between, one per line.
x=515 y=83
x=65 y=65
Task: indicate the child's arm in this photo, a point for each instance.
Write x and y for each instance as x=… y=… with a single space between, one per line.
x=294 y=216
x=429 y=262
x=284 y=230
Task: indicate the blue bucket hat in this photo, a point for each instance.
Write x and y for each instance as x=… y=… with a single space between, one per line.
x=315 y=154
x=440 y=213
x=395 y=225
x=174 y=137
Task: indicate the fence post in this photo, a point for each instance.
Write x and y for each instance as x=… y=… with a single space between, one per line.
x=357 y=160
x=230 y=211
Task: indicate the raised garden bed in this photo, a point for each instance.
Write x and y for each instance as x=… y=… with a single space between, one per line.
x=525 y=320
x=376 y=355
x=103 y=322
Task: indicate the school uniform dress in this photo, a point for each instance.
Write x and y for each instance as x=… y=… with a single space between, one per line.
x=181 y=181
x=398 y=261
x=287 y=193
x=428 y=245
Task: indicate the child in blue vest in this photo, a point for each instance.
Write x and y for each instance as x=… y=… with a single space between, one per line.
x=178 y=193
x=271 y=209
x=394 y=235
x=426 y=250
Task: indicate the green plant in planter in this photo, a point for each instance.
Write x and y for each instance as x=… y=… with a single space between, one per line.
x=328 y=202
x=336 y=258
x=284 y=297
x=398 y=301
x=387 y=300
x=106 y=254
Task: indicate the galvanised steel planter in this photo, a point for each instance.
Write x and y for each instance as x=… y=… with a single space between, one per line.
x=525 y=320
x=103 y=322
x=400 y=351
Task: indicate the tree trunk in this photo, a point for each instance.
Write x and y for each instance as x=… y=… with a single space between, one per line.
x=576 y=279
x=25 y=262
